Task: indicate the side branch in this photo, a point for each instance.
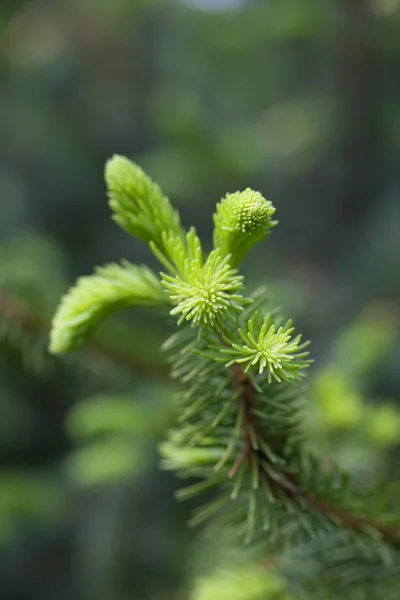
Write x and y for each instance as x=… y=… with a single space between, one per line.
x=14 y=310
x=287 y=483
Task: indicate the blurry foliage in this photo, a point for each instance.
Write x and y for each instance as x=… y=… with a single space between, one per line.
x=245 y=582
x=105 y=462
x=115 y=437
x=342 y=419
x=252 y=94
x=26 y=499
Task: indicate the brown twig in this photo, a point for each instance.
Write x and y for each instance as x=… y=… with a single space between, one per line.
x=239 y=460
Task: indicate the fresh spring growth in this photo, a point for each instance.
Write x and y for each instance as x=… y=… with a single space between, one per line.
x=237 y=430
x=138 y=203
x=94 y=298
x=207 y=294
x=271 y=349
x=242 y=220
x=202 y=291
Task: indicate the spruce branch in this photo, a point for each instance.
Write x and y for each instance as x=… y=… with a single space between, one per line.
x=288 y=482
x=18 y=315
x=239 y=410
x=93 y=298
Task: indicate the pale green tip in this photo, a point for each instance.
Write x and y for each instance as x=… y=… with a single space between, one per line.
x=247 y=212
x=242 y=220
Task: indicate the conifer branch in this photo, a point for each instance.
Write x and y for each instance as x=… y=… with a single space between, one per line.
x=288 y=481
x=14 y=311
x=239 y=366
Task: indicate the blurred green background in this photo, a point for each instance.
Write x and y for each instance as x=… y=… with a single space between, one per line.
x=296 y=98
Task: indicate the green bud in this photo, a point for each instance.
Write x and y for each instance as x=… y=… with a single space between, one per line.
x=242 y=220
